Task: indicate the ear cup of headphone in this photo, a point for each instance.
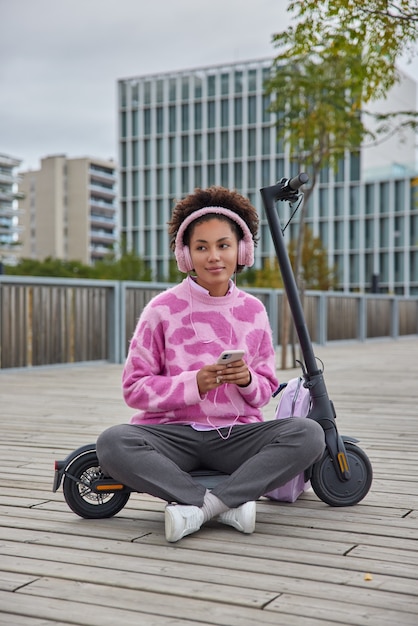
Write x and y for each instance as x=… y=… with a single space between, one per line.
x=187 y=259
x=242 y=253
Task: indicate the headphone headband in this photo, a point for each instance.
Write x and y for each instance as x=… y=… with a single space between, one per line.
x=246 y=245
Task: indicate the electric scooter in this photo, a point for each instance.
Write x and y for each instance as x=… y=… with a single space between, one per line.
x=342 y=477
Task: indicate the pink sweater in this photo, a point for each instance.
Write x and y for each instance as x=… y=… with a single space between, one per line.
x=180 y=331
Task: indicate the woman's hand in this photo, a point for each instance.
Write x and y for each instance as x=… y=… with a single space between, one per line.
x=213 y=376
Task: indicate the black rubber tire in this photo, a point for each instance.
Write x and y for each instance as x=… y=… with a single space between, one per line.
x=331 y=489
x=81 y=499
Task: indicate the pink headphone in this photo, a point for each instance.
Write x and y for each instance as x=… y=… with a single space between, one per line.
x=245 y=245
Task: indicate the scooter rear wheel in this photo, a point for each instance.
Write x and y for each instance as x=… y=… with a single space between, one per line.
x=81 y=499
x=331 y=489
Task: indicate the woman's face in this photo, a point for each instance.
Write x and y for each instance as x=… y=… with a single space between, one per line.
x=214 y=252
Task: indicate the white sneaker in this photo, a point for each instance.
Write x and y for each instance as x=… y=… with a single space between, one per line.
x=242 y=518
x=181 y=520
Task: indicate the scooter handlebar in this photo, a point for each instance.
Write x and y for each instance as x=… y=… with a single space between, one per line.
x=297 y=181
x=284 y=189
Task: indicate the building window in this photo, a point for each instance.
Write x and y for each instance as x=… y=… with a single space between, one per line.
x=238 y=175
x=123 y=156
x=399 y=195
x=147 y=92
x=135 y=160
x=354 y=166
x=211 y=147
x=185 y=88
x=172 y=90
x=354 y=200
x=265 y=141
x=211 y=85
x=398 y=233
x=238 y=111
x=172 y=150
x=147 y=184
x=185 y=149
x=238 y=143
x=134 y=124
x=279 y=169
x=172 y=126
x=198 y=147
x=252 y=143
x=185 y=179
x=224 y=113
x=224 y=84
x=147 y=152
x=224 y=145
x=172 y=181
x=369 y=234
x=369 y=200
x=198 y=115
x=384 y=198
x=123 y=125
x=224 y=174
x=160 y=120
x=160 y=182
x=211 y=175
x=197 y=87
x=384 y=232
x=198 y=176
x=238 y=82
x=265 y=106
x=265 y=173
x=338 y=201
x=184 y=117
x=251 y=174
x=339 y=235
x=354 y=234
x=160 y=90
x=252 y=80
x=211 y=114
x=323 y=202
x=147 y=121
x=160 y=150
x=252 y=109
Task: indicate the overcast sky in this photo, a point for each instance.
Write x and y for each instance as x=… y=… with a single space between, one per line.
x=60 y=61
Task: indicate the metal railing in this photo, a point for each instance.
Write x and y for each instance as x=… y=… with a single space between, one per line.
x=47 y=321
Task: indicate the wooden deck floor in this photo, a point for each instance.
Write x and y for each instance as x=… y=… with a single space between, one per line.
x=307 y=564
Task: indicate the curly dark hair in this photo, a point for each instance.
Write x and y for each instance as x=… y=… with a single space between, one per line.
x=213 y=196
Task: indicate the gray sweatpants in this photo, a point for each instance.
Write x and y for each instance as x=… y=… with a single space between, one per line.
x=156 y=459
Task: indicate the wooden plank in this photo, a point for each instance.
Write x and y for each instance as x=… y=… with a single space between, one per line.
x=307 y=564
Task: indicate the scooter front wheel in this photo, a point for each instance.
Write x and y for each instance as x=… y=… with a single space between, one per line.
x=80 y=497
x=329 y=487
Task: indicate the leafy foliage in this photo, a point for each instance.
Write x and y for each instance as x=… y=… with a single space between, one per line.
x=316 y=271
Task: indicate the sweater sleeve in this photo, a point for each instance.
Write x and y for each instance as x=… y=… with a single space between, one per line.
x=263 y=375
x=145 y=382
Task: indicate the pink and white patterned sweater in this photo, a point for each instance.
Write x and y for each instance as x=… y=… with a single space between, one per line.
x=180 y=331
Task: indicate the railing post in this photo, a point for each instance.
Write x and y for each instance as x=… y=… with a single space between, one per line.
x=394 y=318
x=322 y=313
x=114 y=322
x=362 y=317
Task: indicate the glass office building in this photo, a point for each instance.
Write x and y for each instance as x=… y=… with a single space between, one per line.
x=205 y=126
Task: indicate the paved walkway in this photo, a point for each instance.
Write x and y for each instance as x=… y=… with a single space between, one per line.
x=307 y=564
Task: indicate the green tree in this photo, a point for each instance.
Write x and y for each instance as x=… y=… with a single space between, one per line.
x=317 y=274
x=50 y=266
x=128 y=267
x=338 y=57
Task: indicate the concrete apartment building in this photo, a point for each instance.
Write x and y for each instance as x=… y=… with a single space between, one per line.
x=9 y=227
x=180 y=130
x=69 y=209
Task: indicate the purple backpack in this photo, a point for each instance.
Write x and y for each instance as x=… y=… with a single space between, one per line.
x=294 y=402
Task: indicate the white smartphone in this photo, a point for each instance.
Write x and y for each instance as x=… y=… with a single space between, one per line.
x=229 y=356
